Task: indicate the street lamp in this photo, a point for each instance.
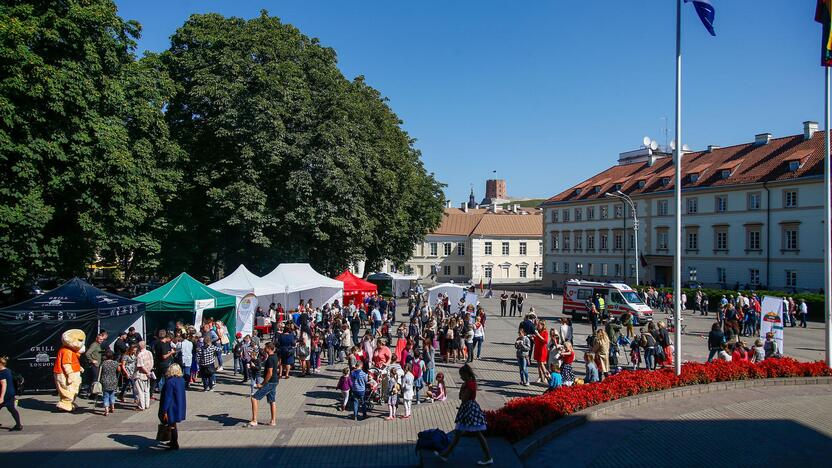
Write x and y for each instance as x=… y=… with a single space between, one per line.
x=624 y=197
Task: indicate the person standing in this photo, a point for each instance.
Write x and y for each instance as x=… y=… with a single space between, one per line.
x=358 y=380
x=7 y=393
x=541 y=351
x=520 y=298
x=144 y=367
x=268 y=388
x=109 y=382
x=163 y=357
x=127 y=366
x=522 y=345
x=408 y=383
x=715 y=339
x=172 y=403
x=479 y=335
x=95 y=354
x=804 y=312
x=513 y=308
x=206 y=357
x=469 y=419
x=186 y=347
x=503 y=301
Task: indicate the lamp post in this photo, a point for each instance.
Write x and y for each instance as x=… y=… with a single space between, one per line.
x=624 y=197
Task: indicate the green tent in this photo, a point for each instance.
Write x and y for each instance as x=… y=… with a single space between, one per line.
x=176 y=300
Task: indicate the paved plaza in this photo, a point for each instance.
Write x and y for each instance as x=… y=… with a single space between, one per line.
x=311 y=431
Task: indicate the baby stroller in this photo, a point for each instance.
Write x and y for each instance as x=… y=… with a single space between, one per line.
x=373 y=395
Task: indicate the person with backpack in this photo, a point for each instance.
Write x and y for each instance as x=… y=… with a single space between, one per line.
x=8 y=392
x=715 y=339
x=648 y=343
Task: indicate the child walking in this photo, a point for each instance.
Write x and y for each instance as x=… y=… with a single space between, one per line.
x=344 y=385
x=392 y=394
x=407 y=389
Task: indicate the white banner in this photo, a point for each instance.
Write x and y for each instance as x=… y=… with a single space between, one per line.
x=772 y=319
x=245 y=314
x=199 y=306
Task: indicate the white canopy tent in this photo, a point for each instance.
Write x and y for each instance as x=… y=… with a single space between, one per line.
x=301 y=283
x=250 y=291
x=400 y=284
x=454 y=293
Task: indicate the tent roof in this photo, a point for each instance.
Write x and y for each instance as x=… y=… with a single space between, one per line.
x=242 y=282
x=446 y=286
x=180 y=294
x=76 y=295
x=354 y=283
x=393 y=276
x=300 y=277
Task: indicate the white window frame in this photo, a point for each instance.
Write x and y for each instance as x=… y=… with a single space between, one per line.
x=523 y=249
x=488 y=248
x=505 y=248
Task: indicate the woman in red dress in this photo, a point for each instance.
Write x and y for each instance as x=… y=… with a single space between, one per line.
x=541 y=352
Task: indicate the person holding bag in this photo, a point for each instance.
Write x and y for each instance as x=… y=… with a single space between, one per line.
x=171 y=406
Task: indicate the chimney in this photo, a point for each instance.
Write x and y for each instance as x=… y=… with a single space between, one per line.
x=762 y=138
x=464 y=207
x=809 y=129
x=495 y=207
x=711 y=148
x=449 y=204
x=514 y=208
x=478 y=206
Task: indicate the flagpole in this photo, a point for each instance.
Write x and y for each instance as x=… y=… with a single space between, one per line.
x=677 y=194
x=827 y=226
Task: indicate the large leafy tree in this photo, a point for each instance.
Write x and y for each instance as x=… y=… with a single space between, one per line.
x=288 y=160
x=86 y=163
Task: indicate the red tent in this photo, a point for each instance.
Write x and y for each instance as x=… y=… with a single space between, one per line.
x=355 y=288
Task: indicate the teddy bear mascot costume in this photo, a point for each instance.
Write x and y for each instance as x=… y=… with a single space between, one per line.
x=68 y=369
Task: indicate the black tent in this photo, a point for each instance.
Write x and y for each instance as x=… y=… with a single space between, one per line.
x=30 y=332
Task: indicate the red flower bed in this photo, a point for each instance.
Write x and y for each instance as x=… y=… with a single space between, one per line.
x=522 y=416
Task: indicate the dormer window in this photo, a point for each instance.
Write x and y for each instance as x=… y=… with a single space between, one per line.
x=693 y=177
x=596 y=189
x=794 y=165
x=577 y=191
x=725 y=173
x=665 y=180
x=617 y=187
x=640 y=183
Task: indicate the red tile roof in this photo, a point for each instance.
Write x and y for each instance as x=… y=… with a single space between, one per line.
x=751 y=164
x=456 y=222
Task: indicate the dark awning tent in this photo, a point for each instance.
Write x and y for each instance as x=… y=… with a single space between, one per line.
x=30 y=332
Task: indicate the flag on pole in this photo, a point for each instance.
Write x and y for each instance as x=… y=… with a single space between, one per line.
x=706 y=13
x=823 y=15
x=480 y=283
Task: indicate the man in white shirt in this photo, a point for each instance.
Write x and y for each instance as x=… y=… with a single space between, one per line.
x=186 y=347
x=804 y=312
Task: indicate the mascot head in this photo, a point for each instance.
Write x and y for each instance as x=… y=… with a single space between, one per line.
x=74 y=339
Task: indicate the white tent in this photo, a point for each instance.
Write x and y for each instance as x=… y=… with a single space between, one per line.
x=250 y=291
x=400 y=284
x=453 y=291
x=302 y=282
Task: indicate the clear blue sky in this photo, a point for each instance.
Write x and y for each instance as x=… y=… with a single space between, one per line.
x=549 y=92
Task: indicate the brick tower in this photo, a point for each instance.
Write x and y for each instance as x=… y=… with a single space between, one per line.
x=495 y=189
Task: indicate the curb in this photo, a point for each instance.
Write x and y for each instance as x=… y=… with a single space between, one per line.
x=527 y=446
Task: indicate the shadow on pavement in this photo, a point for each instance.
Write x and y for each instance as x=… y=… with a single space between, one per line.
x=224 y=419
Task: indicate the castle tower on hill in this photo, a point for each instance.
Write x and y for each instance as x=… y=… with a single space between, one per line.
x=495 y=192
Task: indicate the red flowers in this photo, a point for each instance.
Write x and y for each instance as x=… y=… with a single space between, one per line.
x=522 y=416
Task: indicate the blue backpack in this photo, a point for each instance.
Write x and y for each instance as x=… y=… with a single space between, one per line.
x=433 y=439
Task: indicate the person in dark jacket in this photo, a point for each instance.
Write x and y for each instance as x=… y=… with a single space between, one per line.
x=715 y=340
x=172 y=404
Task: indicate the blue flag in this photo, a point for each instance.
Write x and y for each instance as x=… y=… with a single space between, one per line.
x=706 y=13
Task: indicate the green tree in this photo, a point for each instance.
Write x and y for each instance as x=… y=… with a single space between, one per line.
x=288 y=160
x=86 y=164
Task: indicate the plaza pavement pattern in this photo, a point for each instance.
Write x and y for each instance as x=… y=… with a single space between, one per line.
x=311 y=430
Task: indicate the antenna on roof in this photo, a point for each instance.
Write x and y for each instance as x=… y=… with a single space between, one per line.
x=646 y=142
x=685 y=148
x=673 y=144
x=653 y=145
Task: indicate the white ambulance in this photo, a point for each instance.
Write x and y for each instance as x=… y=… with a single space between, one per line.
x=618 y=297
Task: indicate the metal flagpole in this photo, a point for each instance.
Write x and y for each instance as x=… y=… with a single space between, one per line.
x=677 y=193
x=827 y=227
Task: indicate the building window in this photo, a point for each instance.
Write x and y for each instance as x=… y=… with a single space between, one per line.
x=618 y=270
x=590 y=241
x=590 y=212
x=632 y=270
x=565 y=216
x=661 y=207
x=578 y=214
x=488 y=271
x=619 y=211
x=790 y=198
x=555 y=243
x=721 y=239
x=555 y=267
x=420 y=269
x=618 y=242
x=505 y=248
x=523 y=271
x=446 y=270
x=791 y=278
x=554 y=216
x=566 y=241
x=721 y=276
x=754 y=276
x=523 y=248
x=661 y=240
x=605 y=212
x=579 y=268
x=721 y=204
x=631 y=241
x=693 y=205
x=605 y=271
x=460 y=248
x=579 y=241
x=754 y=201
x=693 y=241
x=752 y=239
x=434 y=249
x=566 y=268
x=448 y=248
x=604 y=241
x=790 y=238
x=589 y=270
x=460 y=270
x=540 y=248
x=488 y=248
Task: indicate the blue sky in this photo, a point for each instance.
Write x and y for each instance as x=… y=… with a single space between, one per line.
x=547 y=93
